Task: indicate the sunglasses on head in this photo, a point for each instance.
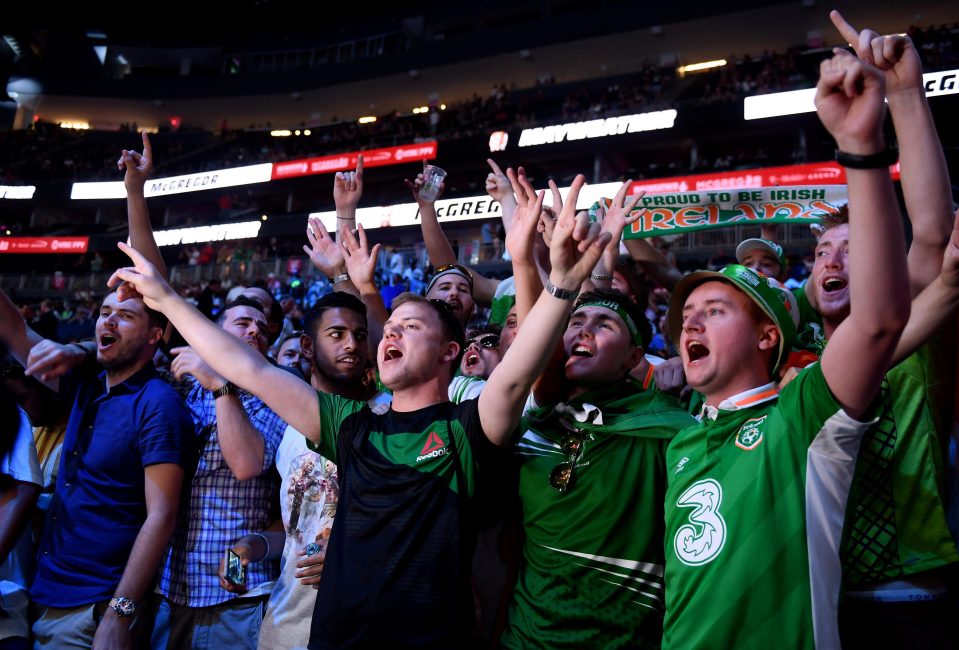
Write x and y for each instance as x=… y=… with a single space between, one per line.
x=451 y=267
x=489 y=340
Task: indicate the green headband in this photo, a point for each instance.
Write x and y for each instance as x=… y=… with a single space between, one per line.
x=612 y=305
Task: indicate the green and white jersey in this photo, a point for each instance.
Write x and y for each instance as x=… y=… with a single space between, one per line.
x=592 y=571
x=810 y=335
x=896 y=523
x=503 y=300
x=754 y=513
x=462 y=388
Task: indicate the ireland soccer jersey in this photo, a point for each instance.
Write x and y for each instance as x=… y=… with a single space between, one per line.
x=754 y=513
x=592 y=571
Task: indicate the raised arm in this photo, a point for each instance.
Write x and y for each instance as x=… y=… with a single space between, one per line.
x=614 y=221
x=849 y=100
x=574 y=249
x=326 y=255
x=438 y=247
x=290 y=397
x=14 y=331
x=520 y=243
x=499 y=187
x=22 y=341
x=925 y=177
x=241 y=443
x=347 y=192
x=653 y=262
x=936 y=305
x=361 y=263
x=138 y=168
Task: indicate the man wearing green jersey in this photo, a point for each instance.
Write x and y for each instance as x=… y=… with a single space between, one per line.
x=757 y=490
x=397 y=567
x=592 y=479
x=897 y=551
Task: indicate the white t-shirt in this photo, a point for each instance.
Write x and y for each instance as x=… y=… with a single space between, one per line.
x=309 y=491
x=20 y=465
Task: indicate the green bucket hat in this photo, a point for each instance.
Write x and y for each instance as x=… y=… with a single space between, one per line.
x=776 y=301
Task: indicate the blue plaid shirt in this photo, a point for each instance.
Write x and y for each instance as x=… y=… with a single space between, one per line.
x=221 y=509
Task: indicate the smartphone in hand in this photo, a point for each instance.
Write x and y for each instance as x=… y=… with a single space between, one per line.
x=234 y=572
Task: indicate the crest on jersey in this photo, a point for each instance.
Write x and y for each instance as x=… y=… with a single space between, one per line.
x=750 y=435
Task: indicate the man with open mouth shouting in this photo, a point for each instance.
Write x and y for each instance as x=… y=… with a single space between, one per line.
x=592 y=479
x=757 y=490
x=398 y=565
x=127 y=442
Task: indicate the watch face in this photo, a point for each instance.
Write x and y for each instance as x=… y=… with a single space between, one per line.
x=124 y=606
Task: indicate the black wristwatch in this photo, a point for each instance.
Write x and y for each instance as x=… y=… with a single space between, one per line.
x=226 y=389
x=870 y=161
x=123 y=606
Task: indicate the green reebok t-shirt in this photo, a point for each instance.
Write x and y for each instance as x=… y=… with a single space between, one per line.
x=397 y=572
x=754 y=512
x=592 y=571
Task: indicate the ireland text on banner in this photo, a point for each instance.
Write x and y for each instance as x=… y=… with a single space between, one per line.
x=671 y=214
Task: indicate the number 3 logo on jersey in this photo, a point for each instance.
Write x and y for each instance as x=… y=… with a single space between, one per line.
x=702 y=541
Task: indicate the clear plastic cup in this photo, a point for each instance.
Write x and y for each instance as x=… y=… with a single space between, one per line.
x=433 y=176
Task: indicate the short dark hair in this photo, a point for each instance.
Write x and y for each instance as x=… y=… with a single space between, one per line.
x=627 y=305
x=452 y=327
x=156 y=318
x=292 y=335
x=275 y=317
x=332 y=300
x=486 y=328
x=837 y=218
x=241 y=301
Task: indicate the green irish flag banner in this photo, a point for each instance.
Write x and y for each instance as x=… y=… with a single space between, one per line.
x=673 y=214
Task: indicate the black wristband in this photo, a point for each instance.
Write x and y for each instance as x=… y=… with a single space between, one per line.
x=871 y=161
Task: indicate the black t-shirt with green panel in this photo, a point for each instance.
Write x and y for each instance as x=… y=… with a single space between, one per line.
x=397 y=570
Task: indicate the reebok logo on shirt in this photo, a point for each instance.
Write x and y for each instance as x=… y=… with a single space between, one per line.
x=434 y=448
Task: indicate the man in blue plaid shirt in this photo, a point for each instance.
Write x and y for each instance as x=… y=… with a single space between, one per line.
x=234 y=493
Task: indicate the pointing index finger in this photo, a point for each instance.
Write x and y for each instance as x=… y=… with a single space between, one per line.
x=847 y=31
x=147 y=147
x=138 y=260
x=496 y=168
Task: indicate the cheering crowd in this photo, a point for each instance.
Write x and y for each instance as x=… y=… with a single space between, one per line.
x=396 y=474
